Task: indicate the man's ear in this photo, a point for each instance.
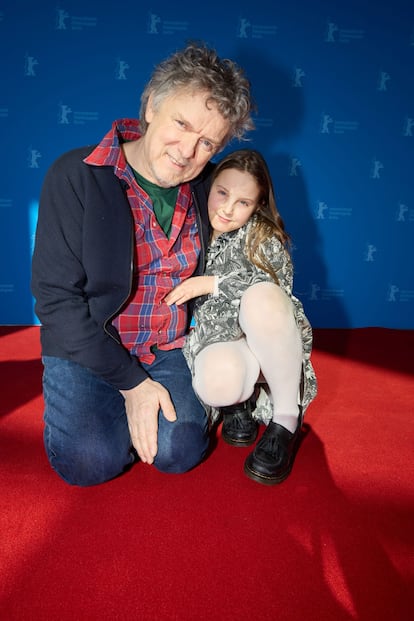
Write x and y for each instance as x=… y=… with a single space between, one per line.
x=149 y=109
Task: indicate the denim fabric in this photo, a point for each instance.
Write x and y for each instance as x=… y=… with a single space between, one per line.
x=86 y=433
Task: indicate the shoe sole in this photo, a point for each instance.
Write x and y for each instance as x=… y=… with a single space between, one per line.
x=238 y=443
x=260 y=478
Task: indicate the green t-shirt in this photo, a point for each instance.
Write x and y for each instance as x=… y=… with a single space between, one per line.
x=163 y=201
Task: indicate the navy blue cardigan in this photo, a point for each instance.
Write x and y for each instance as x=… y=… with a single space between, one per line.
x=82 y=264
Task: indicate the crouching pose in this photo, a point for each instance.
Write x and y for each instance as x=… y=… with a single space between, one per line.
x=251 y=342
x=120 y=224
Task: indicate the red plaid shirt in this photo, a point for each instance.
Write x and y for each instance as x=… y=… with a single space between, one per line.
x=160 y=263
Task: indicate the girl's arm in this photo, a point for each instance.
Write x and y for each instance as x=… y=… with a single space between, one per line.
x=191 y=288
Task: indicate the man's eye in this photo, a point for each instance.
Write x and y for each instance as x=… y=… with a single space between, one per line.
x=207 y=145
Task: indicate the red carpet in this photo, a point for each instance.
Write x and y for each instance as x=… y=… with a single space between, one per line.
x=334 y=542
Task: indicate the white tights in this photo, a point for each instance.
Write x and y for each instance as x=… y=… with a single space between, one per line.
x=226 y=373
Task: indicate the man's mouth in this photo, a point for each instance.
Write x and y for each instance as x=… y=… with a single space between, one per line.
x=176 y=162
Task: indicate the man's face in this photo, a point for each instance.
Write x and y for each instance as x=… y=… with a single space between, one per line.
x=183 y=134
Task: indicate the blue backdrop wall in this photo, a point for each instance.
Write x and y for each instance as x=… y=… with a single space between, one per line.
x=334 y=84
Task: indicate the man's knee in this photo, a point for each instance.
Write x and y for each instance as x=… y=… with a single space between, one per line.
x=85 y=466
x=182 y=447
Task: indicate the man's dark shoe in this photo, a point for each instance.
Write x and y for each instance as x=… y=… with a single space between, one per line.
x=239 y=427
x=272 y=459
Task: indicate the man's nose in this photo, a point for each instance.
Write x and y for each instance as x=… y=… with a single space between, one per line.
x=188 y=146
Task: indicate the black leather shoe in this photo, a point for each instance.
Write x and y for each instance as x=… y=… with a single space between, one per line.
x=272 y=459
x=239 y=427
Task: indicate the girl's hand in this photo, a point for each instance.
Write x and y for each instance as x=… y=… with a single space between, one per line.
x=190 y=288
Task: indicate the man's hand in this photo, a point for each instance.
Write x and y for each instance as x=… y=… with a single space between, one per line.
x=142 y=405
x=191 y=288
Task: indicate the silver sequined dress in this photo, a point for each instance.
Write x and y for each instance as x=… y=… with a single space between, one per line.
x=216 y=317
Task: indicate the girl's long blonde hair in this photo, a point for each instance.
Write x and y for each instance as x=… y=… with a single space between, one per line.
x=269 y=221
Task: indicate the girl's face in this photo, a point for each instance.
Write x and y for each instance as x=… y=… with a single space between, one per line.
x=232 y=200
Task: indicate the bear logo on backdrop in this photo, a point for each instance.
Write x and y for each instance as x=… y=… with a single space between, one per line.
x=248 y=29
x=335 y=34
x=159 y=26
x=65 y=21
x=29 y=66
x=33 y=158
x=408 y=127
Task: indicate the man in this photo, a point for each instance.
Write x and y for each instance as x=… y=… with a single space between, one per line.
x=119 y=226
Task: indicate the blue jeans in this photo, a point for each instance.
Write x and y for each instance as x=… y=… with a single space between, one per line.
x=86 y=432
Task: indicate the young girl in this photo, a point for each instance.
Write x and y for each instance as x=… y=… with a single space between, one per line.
x=250 y=330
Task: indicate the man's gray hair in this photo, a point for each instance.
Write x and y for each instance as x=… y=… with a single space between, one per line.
x=198 y=68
